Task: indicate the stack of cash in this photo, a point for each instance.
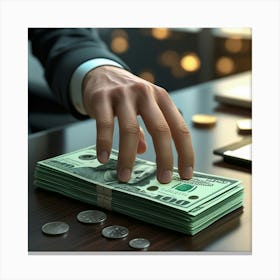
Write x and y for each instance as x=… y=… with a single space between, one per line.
x=186 y=206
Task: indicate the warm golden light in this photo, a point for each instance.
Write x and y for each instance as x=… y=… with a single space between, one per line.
x=148 y=76
x=225 y=65
x=233 y=45
x=119 y=45
x=190 y=62
x=169 y=58
x=119 y=33
x=160 y=33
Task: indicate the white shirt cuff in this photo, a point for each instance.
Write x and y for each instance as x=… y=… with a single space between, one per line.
x=76 y=93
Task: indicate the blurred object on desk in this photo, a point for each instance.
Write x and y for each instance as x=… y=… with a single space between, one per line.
x=239 y=153
x=244 y=126
x=203 y=120
x=238 y=94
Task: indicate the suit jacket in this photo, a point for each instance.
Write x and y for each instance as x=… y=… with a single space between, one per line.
x=61 y=51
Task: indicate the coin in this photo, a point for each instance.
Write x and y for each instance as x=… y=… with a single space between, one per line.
x=115 y=232
x=139 y=243
x=55 y=228
x=204 y=120
x=91 y=217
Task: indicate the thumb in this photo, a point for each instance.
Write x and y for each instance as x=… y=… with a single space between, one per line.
x=142 y=144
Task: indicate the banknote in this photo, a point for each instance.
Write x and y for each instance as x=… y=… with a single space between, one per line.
x=183 y=205
x=181 y=194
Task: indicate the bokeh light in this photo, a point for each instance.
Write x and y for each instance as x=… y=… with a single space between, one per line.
x=119 y=45
x=233 y=45
x=147 y=75
x=225 y=65
x=161 y=33
x=190 y=62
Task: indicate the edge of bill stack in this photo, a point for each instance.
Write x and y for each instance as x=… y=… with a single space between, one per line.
x=186 y=206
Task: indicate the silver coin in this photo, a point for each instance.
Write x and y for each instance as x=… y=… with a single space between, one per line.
x=91 y=217
x=139 y=243
x=55 y=228
x=115 y=232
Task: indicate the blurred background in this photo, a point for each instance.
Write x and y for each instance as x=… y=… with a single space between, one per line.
x=173 y=58
x=176 y=58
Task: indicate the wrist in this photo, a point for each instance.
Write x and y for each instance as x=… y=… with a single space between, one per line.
x=79 y=76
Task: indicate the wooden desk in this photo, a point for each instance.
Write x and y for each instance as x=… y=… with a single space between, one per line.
x=230 y=234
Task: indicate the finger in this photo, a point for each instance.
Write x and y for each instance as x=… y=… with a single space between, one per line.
x=105 y=128
x=142 y=144
x=160 y=132
x=129 y=133
x=180 y=134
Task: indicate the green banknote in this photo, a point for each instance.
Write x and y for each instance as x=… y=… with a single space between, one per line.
x=183 y=205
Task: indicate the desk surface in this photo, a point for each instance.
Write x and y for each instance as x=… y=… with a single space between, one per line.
x=230 y=234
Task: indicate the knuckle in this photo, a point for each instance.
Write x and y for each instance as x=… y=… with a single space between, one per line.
x=131 y=128
x=162 y=96
x=139 y=86
x=162 y=128
x=118 y=90
x=142 y=88
x=104 y=124
x=163 y=92
x=183 y=130
x=119 y=94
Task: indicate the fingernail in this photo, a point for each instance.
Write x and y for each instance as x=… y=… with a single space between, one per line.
x=187 y=173
x=103 y=157
x=165 y=176
x=124 y=174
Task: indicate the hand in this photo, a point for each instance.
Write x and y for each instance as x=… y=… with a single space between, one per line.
x=109 y=91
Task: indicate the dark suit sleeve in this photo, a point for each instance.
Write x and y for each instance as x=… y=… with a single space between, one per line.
x=61 y=51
